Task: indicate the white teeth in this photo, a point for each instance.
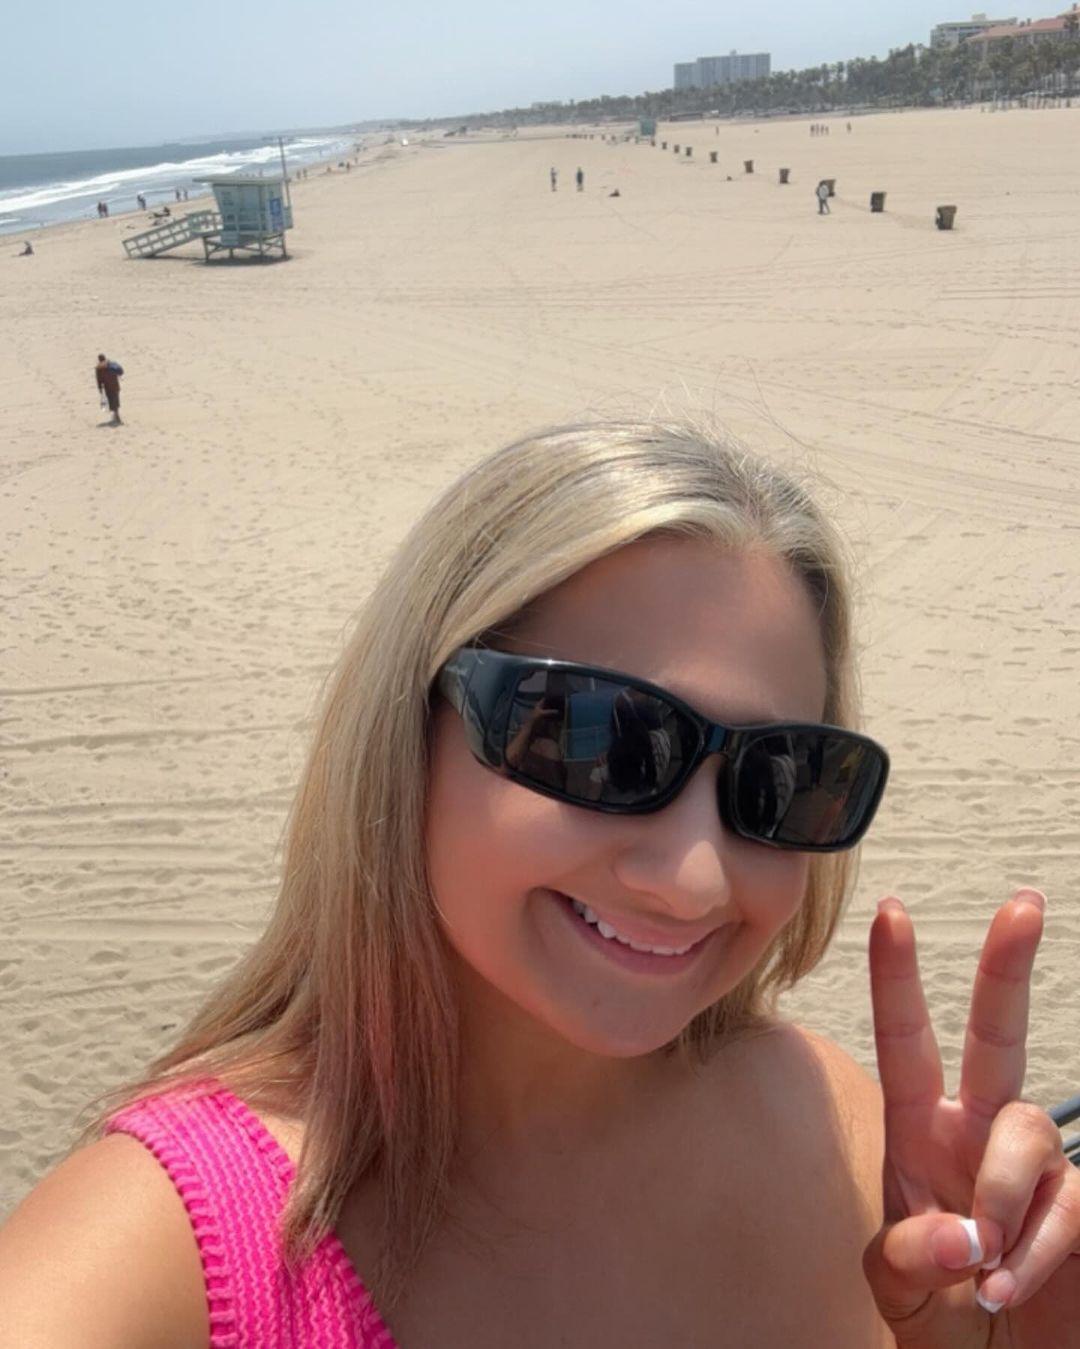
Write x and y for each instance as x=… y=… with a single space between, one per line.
x=608 y=932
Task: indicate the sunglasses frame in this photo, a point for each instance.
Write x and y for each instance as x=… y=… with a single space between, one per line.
x=479 y=682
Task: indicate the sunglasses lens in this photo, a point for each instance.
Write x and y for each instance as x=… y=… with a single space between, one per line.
x=594 y=739
x=812 y=790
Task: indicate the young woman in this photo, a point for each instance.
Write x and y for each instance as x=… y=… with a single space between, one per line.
x=504 y=1069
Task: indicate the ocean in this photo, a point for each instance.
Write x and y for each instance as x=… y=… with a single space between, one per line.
x=41 y=190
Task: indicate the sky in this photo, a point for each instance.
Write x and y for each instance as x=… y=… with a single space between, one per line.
x=84 y=76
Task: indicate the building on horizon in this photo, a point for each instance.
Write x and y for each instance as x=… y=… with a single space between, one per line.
x=709 y=72
x=952 y=34
x=1029 y=32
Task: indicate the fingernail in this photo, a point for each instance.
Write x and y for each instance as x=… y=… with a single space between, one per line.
x=992 y=1264
x=890 y=904
x=943 y=1245
x=996 y=1291
x=1033 y=897
x=976 y=1250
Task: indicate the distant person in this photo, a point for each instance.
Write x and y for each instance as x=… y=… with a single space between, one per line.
x=28 y=250
x=849 y=126
x=616 y=193
x=108 y=381
x=141 y=200
x=822 y=193
x=178 y=196
x=580 y=179
x=554 y=179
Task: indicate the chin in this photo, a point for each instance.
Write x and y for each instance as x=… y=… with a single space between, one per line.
x=625 y=1040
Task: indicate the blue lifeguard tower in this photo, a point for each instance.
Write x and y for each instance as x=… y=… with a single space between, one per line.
x=252 y=216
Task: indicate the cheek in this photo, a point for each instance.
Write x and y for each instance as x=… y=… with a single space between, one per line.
x=488 y=840
x=772 y=886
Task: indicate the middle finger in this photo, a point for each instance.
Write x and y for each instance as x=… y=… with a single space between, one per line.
x=995 y=1046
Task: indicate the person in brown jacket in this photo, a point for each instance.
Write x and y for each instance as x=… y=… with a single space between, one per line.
x=108 y=381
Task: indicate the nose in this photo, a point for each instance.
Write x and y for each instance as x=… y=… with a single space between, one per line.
x=683 y=856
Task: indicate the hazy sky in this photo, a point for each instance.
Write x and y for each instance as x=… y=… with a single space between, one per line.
x=84 y=75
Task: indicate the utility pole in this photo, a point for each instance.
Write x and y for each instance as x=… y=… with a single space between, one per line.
x=284 y=171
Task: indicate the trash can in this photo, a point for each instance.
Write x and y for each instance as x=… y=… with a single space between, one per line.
x=712 y=156
x=689 y=151
x=678 y=148
x=653 y=142
x=877 y=202
x=663 y=145
x=945 y=217
x=748 y=165
x=784 y=175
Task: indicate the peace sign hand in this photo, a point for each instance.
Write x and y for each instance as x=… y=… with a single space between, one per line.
x=977 y=1183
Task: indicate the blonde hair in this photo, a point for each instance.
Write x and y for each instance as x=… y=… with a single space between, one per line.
x=345 y=1001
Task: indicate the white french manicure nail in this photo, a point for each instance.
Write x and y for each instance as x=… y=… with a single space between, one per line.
x=993 y=1263
x=968 y=1224
x=987 y=1305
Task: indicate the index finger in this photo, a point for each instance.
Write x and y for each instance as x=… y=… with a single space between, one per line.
x=995 y=1046
x=909 y=1063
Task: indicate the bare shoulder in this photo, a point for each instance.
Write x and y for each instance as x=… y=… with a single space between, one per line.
x=857 y=1103
x=101 y=1253
x=813 y=1096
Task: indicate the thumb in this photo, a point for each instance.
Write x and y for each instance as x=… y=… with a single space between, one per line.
x=921 y=1272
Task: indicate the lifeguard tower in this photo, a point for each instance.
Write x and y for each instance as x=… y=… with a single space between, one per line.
x=255 y=213
x=252 y=216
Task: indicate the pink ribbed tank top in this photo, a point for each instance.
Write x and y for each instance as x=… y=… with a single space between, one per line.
x=233 y=1177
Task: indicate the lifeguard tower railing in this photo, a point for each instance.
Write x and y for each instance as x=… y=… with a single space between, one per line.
x=181 y=229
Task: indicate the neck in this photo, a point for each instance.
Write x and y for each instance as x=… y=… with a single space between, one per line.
x=525 y=1091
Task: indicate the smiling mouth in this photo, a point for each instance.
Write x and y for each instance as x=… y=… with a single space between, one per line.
x=632 y=955
x=611 y=934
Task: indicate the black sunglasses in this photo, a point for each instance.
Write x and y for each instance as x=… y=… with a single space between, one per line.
x=610 y=742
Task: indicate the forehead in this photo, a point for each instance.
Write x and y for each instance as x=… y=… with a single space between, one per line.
x=734 y=633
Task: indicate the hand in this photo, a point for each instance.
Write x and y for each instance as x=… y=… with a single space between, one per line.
x=976 y=1182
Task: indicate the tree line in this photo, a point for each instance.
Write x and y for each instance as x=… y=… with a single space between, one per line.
x=911 y=76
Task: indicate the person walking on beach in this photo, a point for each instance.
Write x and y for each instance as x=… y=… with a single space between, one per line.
x=580 y=176
x=554 y=179
x=822 y=193
x=108 y=381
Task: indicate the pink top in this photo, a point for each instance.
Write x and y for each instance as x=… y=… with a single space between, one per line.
x=233 y=1177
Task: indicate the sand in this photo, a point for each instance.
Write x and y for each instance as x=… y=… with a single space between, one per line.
x=174 y=590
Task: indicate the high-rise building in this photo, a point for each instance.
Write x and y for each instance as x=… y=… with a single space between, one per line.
x=707 y=72
x=686 y=75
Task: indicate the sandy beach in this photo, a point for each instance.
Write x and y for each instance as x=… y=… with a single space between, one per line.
x=175 y=589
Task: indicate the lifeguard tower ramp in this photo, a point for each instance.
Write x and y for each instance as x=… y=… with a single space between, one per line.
x=254 y=214
x=171 y=234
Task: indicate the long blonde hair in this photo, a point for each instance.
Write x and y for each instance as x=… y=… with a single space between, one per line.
x=346 y=1000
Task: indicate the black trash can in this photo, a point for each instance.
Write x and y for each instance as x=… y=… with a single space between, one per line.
x=784 y=175
x=877 y=202
x=748 y=165
x=712 y=156
x=945 y=217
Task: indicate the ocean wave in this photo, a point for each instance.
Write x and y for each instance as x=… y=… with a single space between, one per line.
x=166 y=174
